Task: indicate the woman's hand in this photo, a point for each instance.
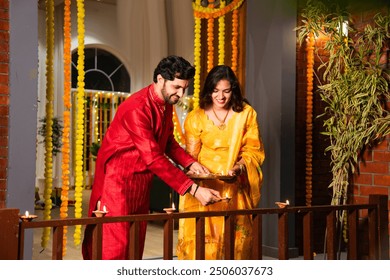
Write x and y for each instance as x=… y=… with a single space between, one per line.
x=197 y=168
x=237 y=169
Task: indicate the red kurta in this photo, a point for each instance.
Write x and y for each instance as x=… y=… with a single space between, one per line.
x=135 y=147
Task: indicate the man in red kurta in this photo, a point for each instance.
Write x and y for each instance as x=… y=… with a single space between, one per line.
x=135 y=147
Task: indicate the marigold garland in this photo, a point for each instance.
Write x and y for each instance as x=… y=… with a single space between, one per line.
x=211 y=13
x=66 y=115
x=221 y=37
x=197 y=57
x=79 y=174
x=208 y=12
x=49 y=118
x=210 y=43
x=309 y=117
x=234 y=40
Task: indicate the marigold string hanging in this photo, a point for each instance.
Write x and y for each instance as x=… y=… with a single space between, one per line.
x=49 y=9
x=79 y=172
x=309 y=116
x=197 y=56
x=210 y=42
x=235 y=40
x=210 y=13
x=65 y=166
x=221 y=36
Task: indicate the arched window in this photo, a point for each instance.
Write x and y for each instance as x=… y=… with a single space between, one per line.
x=103 y=71
x=107 y=84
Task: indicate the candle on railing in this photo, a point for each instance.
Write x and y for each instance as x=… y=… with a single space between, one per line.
x=282 y=204
x=170 y=210
x=27 y=217
x=100 y=213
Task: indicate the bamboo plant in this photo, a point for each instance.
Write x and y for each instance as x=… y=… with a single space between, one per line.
x=354 y=87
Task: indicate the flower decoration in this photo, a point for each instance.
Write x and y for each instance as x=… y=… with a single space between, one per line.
x=234 y=40
x=210 y=13
x=49 y=118
x=210 y=43
x=309 y=117
x=197 y=57
x=79 y=170
x=221 y=37
x=66 y=130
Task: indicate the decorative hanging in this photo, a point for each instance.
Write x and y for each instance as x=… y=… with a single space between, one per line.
x=197 y=56
x=235 y=40
x=221 y=37
x=210 y=13
x=49 y=118
x=79 y=169
x=309 y=117
x=65 y=166
x=210 y=42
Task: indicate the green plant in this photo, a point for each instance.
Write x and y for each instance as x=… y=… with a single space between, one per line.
x=94 y=149
x=354 y=87
x=57 y=130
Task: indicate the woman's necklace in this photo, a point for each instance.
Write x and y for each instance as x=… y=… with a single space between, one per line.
x=222 y=124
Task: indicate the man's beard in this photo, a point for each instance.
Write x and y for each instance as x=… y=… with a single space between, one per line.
x=170 y=99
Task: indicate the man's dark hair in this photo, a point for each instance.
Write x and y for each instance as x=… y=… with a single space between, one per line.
x=173 y=67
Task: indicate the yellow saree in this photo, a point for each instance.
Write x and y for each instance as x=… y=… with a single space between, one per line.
x=219 y=150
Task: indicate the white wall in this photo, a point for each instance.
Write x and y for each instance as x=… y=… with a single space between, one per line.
x=137 y=32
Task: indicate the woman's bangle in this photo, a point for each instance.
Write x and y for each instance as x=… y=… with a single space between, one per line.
x=197 y=186
x=241 y=167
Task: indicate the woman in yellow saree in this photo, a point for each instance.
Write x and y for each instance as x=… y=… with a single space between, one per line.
x=223 y=135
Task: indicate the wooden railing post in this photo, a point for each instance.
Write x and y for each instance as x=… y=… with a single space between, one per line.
x=229 y=237
x=200 y=239
x=353 y=234
x=168 y=239
x=9 y=220
x=58 y=237
x=308 y=235
x=283 y=235
x=134 y=248
x=97 y=236
x=331 y=235
x=383 y=225
x=257 y=253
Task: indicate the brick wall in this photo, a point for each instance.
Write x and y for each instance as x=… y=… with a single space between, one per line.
x=4 y=98
x=374 y=175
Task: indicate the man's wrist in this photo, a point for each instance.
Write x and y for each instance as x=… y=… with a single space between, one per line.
x=193 y=189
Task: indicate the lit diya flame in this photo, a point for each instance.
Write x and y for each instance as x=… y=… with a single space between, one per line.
x=170 y=210
x=226 y=198
x=27 y=217
x=100 y=213
x=282 y=204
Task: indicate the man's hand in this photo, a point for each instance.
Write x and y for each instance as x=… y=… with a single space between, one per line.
x=197 y=168
x=205 y=196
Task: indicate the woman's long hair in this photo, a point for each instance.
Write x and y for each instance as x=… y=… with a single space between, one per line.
x=218 y=73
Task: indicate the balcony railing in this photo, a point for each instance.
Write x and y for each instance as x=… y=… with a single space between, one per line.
x=376 y=211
